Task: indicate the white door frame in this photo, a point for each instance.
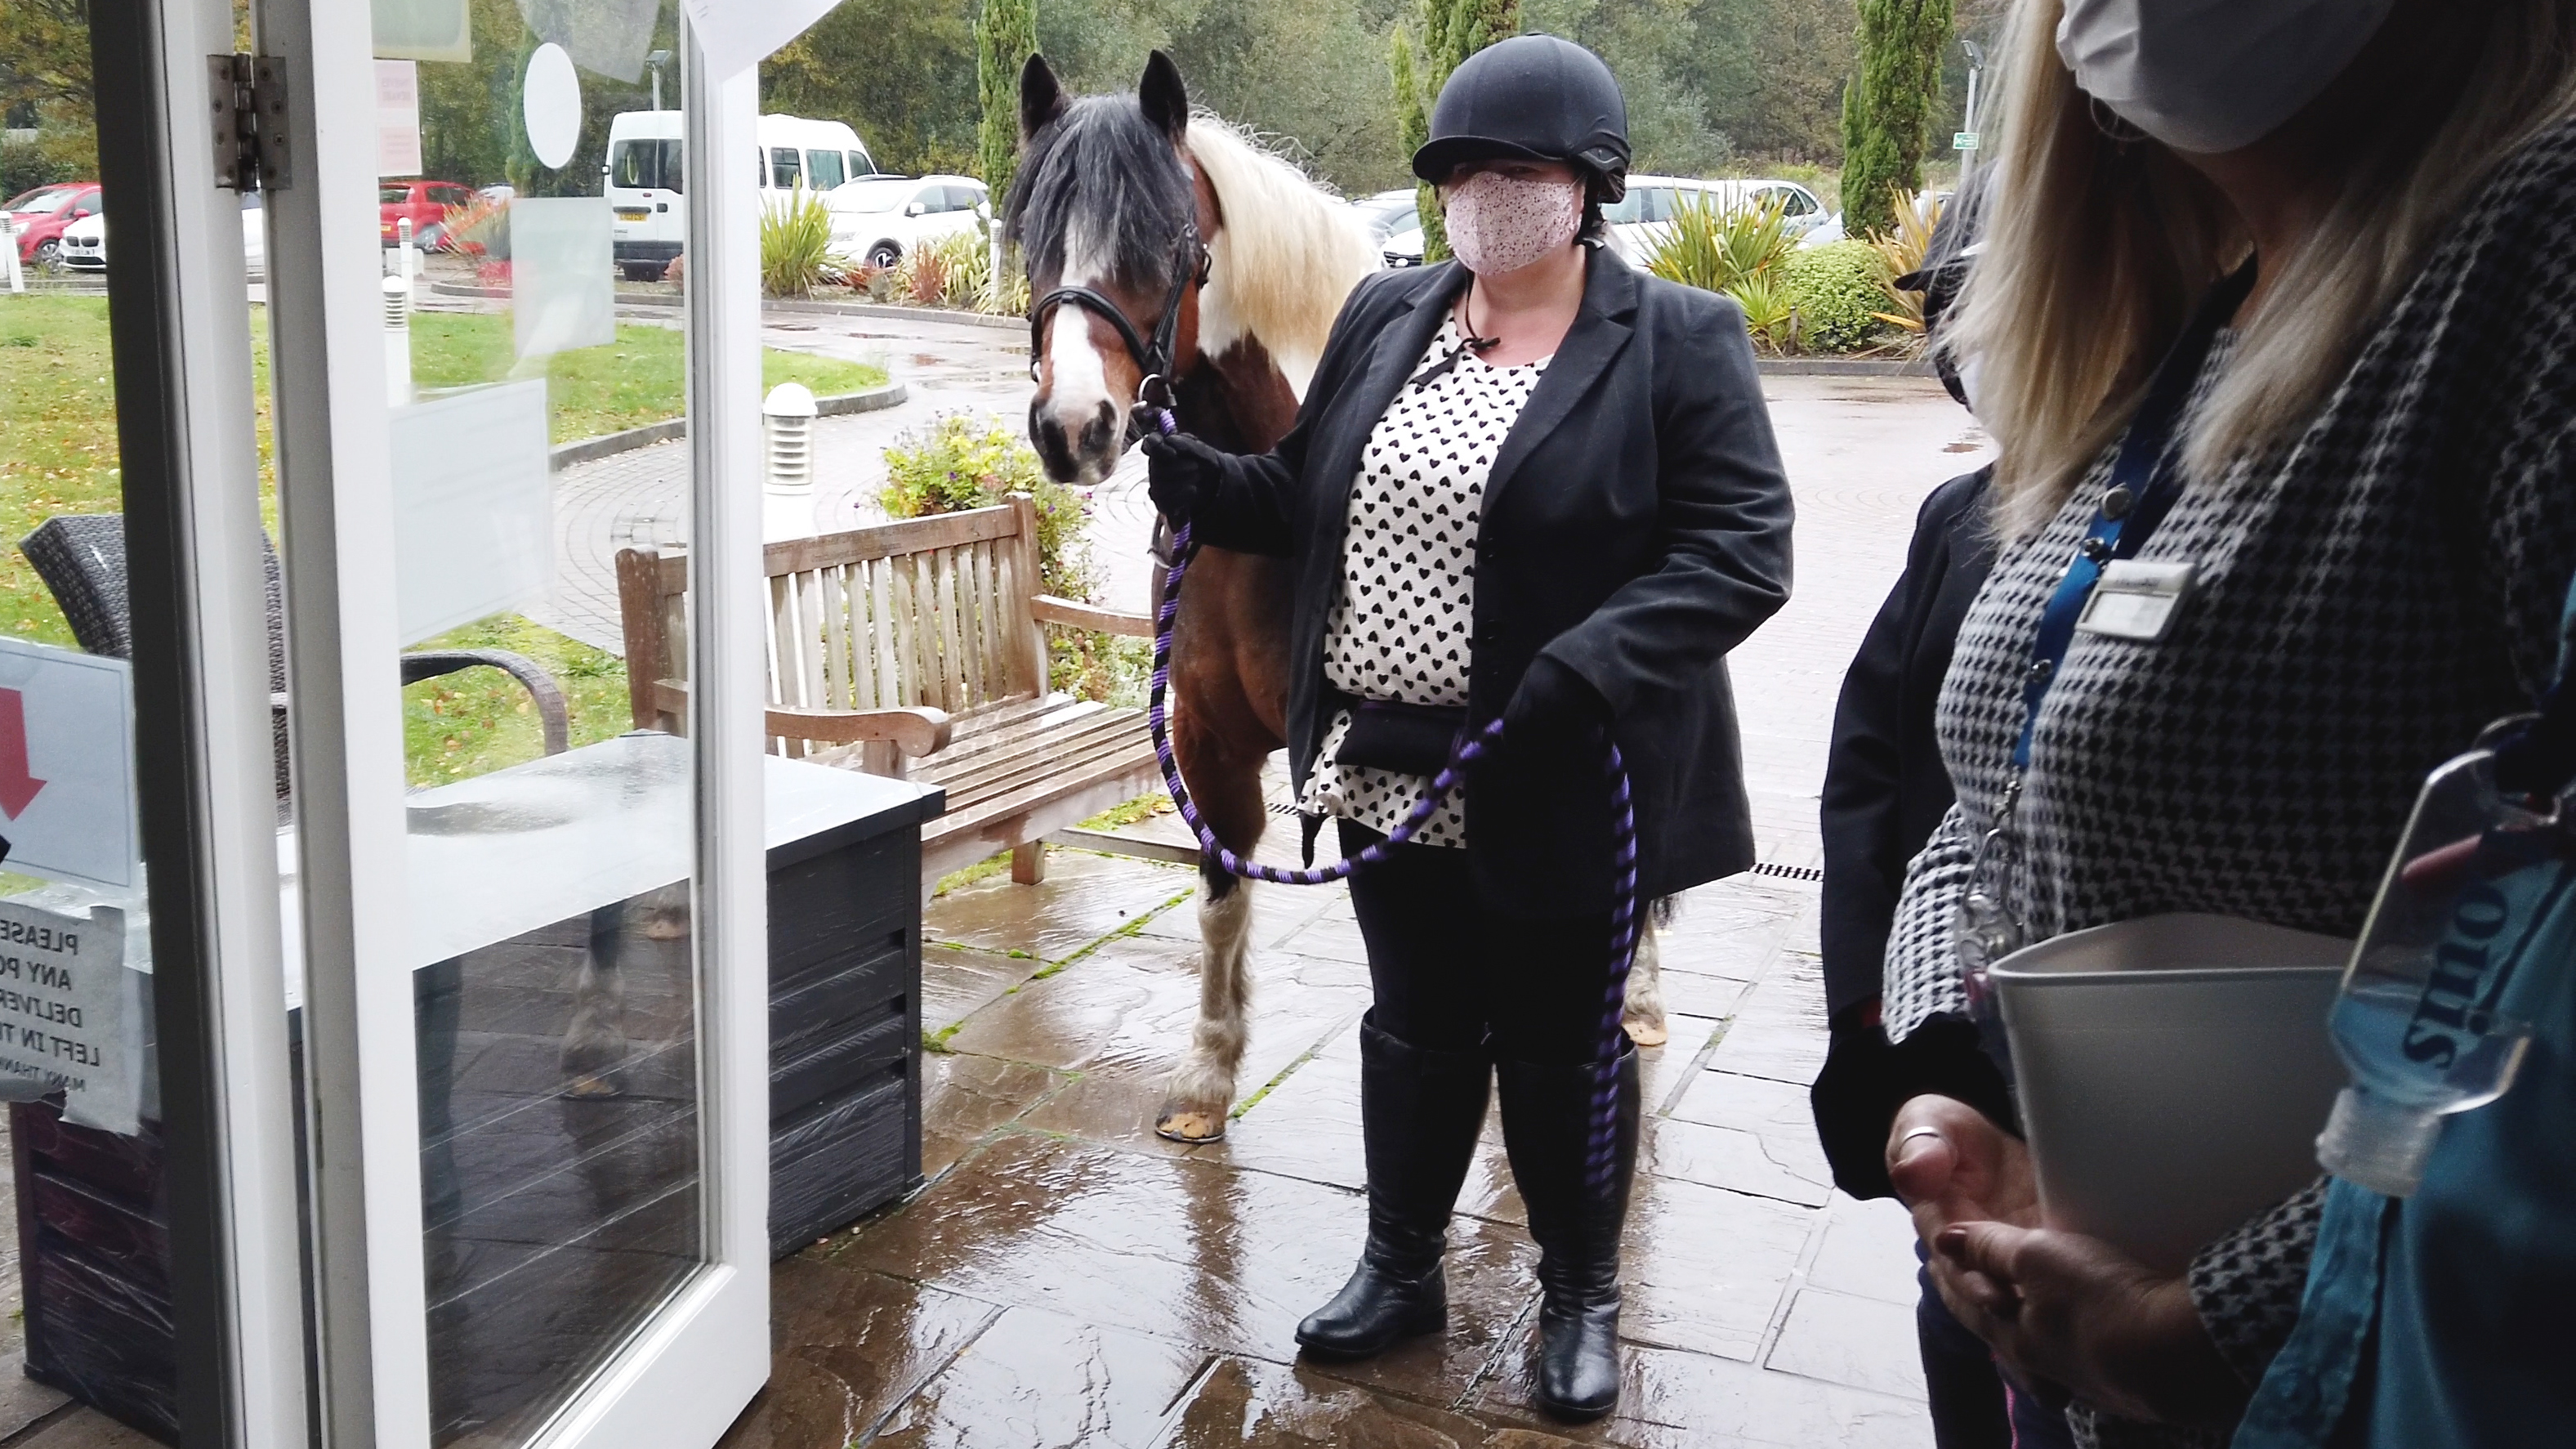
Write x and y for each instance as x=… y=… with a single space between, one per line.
x=688 y=1372
x=198 y=604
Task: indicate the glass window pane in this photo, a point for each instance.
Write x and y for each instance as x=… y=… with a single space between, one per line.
x=785 y=169
x=635 y=165
x=823 y=170
x=551 y=840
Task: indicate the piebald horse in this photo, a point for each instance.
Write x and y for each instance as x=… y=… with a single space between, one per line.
x=1162 y=244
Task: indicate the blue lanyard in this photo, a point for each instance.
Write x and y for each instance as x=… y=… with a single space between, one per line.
x=2142 y=492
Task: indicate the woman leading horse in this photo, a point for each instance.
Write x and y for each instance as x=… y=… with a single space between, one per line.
x=1535 y=484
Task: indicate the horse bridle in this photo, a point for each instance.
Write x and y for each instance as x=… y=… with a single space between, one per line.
x=1153 y=357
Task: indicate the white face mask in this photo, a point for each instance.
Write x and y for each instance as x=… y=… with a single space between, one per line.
x=2212 y=75
x=1499 y=224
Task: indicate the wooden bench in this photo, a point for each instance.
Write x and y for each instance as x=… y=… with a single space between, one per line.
x=917 y=649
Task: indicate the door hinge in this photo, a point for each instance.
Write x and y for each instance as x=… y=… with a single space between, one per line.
x=248 y=98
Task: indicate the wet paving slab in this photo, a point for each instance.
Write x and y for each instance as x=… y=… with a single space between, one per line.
x=1066 y=1277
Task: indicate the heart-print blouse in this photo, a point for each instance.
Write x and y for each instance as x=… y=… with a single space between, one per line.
x=1401 y=625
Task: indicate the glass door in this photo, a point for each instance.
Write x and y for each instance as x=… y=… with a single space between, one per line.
x=532 y=930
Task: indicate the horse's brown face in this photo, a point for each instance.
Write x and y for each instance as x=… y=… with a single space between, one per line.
x=1104 y=201
x=1088 y=381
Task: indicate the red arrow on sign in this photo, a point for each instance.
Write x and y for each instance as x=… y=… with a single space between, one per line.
x=18 y=787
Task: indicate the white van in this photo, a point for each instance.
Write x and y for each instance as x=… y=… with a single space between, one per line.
x=642 y=179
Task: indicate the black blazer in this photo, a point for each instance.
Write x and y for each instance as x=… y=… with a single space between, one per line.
x=1885 y=792
x=1885 y=786
x=1635 y=527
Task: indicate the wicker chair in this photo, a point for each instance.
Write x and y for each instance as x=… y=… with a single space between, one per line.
x=81 y=558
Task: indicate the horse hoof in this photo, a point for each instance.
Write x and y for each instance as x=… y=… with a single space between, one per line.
x=1190 y=1124
x=1646 y=1033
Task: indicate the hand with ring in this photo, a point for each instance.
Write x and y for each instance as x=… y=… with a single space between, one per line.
x=2066 y=1314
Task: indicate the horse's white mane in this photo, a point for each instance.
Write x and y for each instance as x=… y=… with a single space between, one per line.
x=1287 y=255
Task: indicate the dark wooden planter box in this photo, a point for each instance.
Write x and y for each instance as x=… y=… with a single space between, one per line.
x=845 y=1136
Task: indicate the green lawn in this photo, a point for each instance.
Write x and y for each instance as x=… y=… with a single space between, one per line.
x=602 y=389
x=58 y=454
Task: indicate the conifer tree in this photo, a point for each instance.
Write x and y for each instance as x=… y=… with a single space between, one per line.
x=1006 y=35
x=1887 y=110
x=1452 y=30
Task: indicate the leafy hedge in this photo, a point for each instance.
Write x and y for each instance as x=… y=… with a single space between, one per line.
x=1837 y=289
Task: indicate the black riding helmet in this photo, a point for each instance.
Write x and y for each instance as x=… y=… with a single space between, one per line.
x=1535 y=97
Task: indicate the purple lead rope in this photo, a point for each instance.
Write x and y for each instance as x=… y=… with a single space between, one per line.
x=1602 y=1149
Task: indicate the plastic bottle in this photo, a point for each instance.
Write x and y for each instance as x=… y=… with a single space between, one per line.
x=2416 y=1021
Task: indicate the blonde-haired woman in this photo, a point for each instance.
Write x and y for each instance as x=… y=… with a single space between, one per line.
x=2280 y=291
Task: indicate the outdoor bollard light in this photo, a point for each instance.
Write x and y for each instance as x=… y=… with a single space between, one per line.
x=397 y=293
x=9 y=245
x=406 y=257
x=787 y=432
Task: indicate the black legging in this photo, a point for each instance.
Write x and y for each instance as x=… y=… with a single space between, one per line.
x=1453 y=974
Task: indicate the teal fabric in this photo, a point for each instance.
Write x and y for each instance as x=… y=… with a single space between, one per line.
x=2442 y=1321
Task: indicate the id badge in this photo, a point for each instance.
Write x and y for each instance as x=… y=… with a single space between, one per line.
x=2135 y=599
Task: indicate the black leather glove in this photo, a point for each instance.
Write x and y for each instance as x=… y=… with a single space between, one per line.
x=1182 y=475
x=1554 y=708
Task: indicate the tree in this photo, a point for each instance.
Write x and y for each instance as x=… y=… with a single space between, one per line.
x=1887 y=110
x=900 y=71
x=1006 y=35
x=44 y=54
x=1452 y=30
x=1309 y=77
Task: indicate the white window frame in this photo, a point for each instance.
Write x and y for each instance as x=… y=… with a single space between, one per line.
x=680 y=1381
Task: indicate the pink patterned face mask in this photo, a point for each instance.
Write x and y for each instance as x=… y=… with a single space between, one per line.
x=1499 y=224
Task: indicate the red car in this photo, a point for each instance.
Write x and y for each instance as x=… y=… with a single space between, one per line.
x=426 y=203
x=42 y=214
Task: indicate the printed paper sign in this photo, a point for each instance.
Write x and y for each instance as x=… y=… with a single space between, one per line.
x=71 y=1014
x=473 y=507
x=397 y=118
x=67 y=764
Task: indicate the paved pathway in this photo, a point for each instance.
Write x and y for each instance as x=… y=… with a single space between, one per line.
x=1067 y=1278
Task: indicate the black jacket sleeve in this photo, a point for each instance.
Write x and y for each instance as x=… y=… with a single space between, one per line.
x=1885 y=791
x=1863 y=774
x=1724 y=520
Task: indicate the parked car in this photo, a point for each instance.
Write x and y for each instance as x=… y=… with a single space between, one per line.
x=43 y=214
x=1386 y=212
x=1640 y=220
x=879 y=219
x=83 y=245
x=425 y=203
x=84 y=242
x=1403 y=248
x=642 y=176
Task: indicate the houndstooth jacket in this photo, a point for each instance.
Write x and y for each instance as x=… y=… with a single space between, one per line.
x=2368 y=598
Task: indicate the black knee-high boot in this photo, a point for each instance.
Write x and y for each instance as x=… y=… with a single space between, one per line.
x=1420 y=1112
x=1547 y=1128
